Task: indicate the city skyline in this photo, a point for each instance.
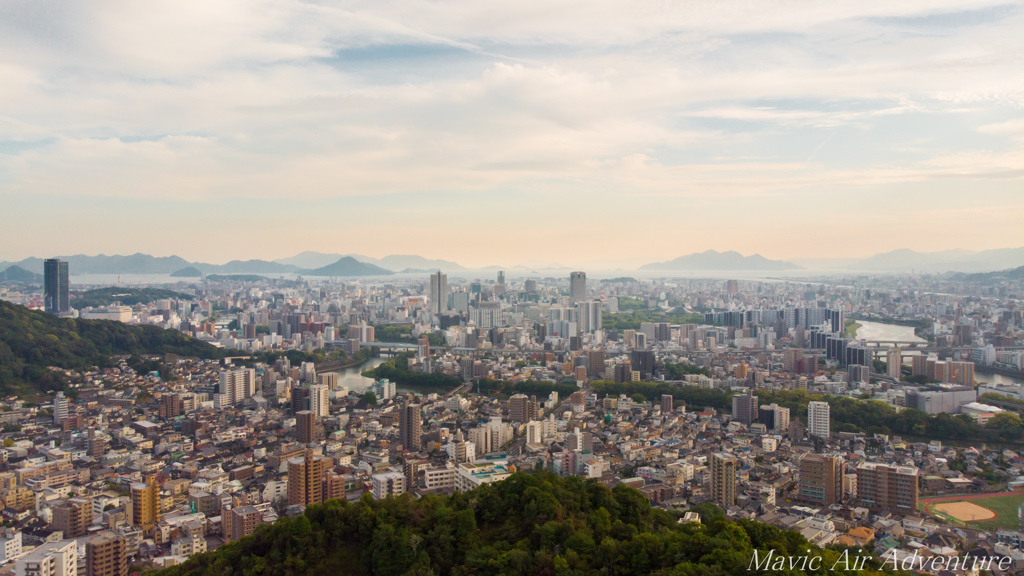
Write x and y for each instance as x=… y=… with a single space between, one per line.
x=335 y=123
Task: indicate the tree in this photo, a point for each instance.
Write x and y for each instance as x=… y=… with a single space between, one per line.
x=369 y=397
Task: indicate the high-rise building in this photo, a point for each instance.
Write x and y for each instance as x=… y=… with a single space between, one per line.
x=666 y=403
x=791 y=358
x=961 y=373
x=818 y=419
x=56 y=297
x=319 y=400
x=73 y=517
x=595 y=363
x=744 y=408
x=723 y=479
x=410 y=430
x=61 y=407
x=522 y=408
x=836 y=320
x=821 y=479
x=145 y=504
x=106 y=554
x=237 y=385
x=894 y=362
x=588 y=314
x=55 y=287
x=577 y=287
x=300 y=399
x=732 y=287
x=642 y=361
x=305 y=426
x=438 y=293
x=305 y=479
x=886 y=487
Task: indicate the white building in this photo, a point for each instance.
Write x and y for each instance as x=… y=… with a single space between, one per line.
x=388 y=484
x=50 y=559
x=237 y=385
x=10 y=545
x=818 y=419
x=320 y=400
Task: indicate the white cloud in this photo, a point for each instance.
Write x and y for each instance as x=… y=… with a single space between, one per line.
x=313 y=100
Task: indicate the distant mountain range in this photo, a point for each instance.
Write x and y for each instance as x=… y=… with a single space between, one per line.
x=991 y=277
x=331 y=264
x=714 y=260
x=348 y=266
x=19 y=274
x=904 y=260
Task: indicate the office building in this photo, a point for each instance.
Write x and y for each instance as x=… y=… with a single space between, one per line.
x=819 y=419
x=642 y=361
x=438 y=293
x=744 y=408
x=145 y=504
x=410 y=430
x=106 y=555
x=947 y=398
x=821 y=479
x=666 y=403
x=888 y=487
x=836 y=320
x=56 y=296
x=723 y=479
x=774 y=417
x=301 y=399
x=577 y=287
x=588 y=314
x=305 y=426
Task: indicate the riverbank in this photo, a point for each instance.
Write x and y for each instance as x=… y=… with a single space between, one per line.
x=337 y=367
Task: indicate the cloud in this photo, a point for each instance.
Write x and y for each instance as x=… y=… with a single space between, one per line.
x=310 y=101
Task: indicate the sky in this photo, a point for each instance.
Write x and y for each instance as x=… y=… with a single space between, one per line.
x=527 y=132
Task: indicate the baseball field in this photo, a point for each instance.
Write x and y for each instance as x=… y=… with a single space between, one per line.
x=983 y=511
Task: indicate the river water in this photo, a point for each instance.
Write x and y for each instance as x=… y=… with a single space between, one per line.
x=876 y=331
x=353 y=379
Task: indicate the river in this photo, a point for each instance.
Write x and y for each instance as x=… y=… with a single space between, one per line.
x=876 y=331
x=353 y=379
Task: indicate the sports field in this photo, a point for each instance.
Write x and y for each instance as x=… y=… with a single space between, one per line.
x=983 y=511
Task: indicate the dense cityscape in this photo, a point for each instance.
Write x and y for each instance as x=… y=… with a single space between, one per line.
x=540 y=288
x=845 y=409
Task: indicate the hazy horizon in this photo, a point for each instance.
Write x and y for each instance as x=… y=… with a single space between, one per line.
x=595 y=131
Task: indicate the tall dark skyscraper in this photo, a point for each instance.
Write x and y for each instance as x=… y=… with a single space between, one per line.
x=55 y=286
x=410 y=429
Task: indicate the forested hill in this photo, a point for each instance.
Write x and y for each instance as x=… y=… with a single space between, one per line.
x=528 y=525
x=126 y=296
x=31 y=341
